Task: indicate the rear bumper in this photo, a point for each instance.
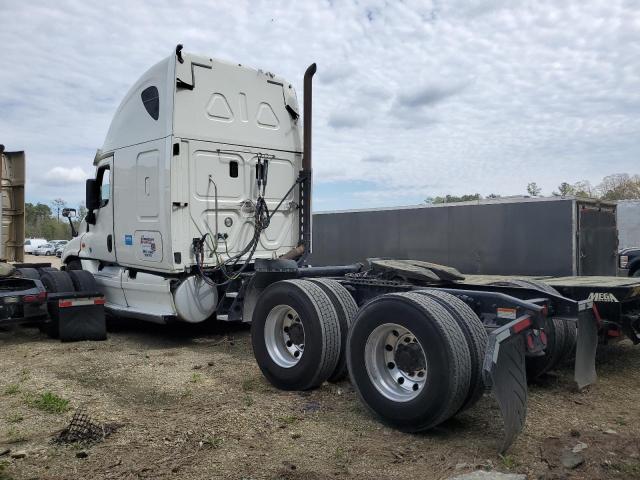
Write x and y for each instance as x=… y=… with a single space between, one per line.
x=623 y=272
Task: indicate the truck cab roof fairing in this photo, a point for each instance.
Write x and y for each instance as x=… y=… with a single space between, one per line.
x=132 y=123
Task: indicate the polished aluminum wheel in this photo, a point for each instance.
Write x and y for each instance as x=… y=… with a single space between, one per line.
x=395 y=362
x=284 y=336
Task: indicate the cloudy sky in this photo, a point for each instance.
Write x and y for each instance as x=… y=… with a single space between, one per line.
x=412 y=99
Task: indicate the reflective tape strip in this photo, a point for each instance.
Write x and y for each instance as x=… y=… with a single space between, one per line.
x=80 y=302
x=507 y=313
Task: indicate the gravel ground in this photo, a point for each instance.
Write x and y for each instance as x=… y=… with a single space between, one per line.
x=189 y=402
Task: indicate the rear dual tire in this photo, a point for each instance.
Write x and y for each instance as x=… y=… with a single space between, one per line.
x=346 y=309
x=433 y=343
x=476 y=336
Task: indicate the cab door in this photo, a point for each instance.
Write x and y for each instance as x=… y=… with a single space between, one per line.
x=98 y=241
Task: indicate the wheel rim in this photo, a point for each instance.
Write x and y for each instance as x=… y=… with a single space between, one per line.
x=396 y=362
x=284 y=336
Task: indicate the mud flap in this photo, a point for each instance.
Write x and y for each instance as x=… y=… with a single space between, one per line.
x=504 y=370
x=586 y=345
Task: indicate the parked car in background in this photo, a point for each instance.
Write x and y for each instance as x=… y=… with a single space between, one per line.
x=58 y=243
x=629 y=262
x=46 y=249
x=30 y=244
x=59 y=249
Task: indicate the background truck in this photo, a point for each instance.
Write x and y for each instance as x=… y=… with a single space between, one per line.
x=12 y=169
x=629 y=259
x=67 y=305
x=200 y=208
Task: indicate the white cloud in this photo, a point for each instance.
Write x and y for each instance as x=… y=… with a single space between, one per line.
x=467 y=97
x=63 y=177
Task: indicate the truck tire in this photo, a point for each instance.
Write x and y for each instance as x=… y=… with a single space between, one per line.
x=73 y=264
x=475 y=334
x=566 y=342
x=295 y=334
x=408 y=361
x=56 y=281
x=555 y=330
x=83 y=281
x=30 y=273
x=47 y=269
x=346 y=308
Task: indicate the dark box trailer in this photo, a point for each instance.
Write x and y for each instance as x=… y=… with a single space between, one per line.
x=524 y=236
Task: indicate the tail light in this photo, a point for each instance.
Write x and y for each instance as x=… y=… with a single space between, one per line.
x=38 y=298
x=624 y=261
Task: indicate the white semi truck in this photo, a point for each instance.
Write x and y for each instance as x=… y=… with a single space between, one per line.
x=200 y=209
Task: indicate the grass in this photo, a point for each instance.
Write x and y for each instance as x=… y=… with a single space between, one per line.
x=508 y=461
x=631 y=470
x=12 y=389
x=248 y=400
x=196 y=377
x=13 y=436
x=15 y=418
x=621 y=421
x=48 y=402
x=3 y=474
x=213 y=441
x=341 y=458
x=255 y=385
x=288 y=419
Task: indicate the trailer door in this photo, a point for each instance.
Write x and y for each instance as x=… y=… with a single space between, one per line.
x=597 y=239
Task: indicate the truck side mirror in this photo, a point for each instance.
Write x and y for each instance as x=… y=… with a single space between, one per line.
x=92 y=195
x=69 y=212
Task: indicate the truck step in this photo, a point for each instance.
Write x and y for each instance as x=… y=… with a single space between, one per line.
x=231 y=294
x=223 y=318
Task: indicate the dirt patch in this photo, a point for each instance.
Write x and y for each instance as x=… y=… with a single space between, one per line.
x=53 y=260
x=191 y=403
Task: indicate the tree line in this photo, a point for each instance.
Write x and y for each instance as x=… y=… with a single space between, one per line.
x=46 y=221
x=619 y=186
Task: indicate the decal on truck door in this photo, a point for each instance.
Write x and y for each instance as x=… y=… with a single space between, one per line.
x=149 y=246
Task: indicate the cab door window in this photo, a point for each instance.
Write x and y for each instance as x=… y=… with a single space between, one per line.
x=104 y=180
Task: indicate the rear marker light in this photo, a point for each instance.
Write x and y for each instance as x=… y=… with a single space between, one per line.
x=624 y=261
x=530 y=344
x=597 y=314
x=521 y=325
